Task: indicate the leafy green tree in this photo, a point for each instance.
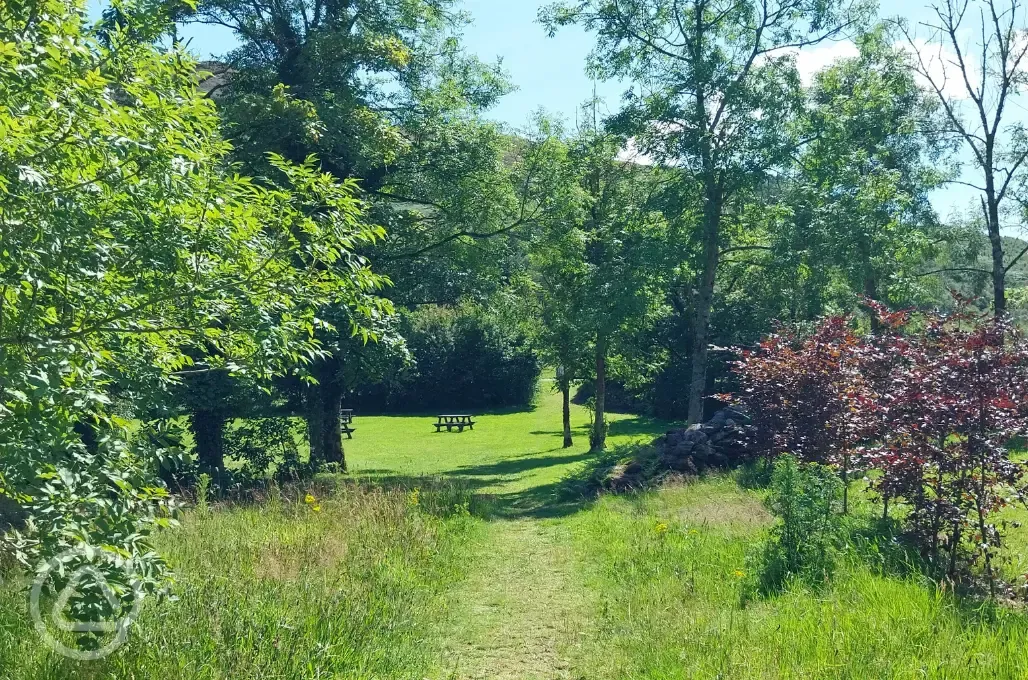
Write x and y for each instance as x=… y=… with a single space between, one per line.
x=865 y=175
x=720 y=90
x=560 y=294
x=383 y=93
x=599 y=261
x=131 y=248
x=852 y=217
x=344 y=79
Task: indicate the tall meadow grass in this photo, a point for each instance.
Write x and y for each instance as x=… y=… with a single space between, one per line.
x=331 y=581
x=673 y=568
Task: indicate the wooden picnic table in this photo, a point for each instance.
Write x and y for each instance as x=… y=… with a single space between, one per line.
x=459 y=421
x=346 y=422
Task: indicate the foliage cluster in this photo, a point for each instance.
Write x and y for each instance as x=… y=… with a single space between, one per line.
x=463 y=358
x=268 y=447
x=804 y=543
x=927 y=407
x=133 y=256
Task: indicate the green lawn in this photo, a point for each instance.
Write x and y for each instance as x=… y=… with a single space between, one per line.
x=453 y=556
x=671 y=603
x=513 y=459
x=507 y=452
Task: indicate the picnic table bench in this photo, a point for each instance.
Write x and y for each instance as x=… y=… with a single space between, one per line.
x=346 y=422
x=454 y=421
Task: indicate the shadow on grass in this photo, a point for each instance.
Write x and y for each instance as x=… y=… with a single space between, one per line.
x=432 y=413
x=880 y=544
x=575 y=492
x=579 y=431
x=754 y=474
x=513 y=466
x=546 y=501
x=638 y=426
x=557 y=499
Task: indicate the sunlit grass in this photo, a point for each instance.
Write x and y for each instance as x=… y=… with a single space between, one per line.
x=508 y=451
x=673 y=608
x=348 y=586
x=456 y=555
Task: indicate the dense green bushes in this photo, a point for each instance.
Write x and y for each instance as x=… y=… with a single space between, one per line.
x=803 y=545
x=925 y=406
x=462 y=358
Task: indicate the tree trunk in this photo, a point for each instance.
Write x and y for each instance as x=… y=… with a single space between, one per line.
x=315 y=415
x=999 y=274
x=954 y=543
x=598 y=440
x=331 y=401
x=324 y=421
x=845 y=483
x=705 y=301
x=871 y=293
x=565 y=390
x=208 y=428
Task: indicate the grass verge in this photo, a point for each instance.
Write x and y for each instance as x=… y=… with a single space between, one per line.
x=672 y=565
x=349 y=586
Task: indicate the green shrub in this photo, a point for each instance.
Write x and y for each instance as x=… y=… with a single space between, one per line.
x=803 y=544
x=267 y=447
x=463 y=358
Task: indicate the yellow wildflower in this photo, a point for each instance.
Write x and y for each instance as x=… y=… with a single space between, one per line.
x=661 y=528
x=414 y=497
x=310 y=499
x=739 y=573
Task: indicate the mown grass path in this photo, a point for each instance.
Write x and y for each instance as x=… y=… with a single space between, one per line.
x=523 y=611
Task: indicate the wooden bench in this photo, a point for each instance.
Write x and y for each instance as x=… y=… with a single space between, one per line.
x=346 y=422
x=454 y=421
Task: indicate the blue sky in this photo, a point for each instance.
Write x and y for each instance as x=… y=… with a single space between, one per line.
x=548 y=72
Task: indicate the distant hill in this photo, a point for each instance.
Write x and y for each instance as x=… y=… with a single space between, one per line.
x=1012 y=247
x=970 y=273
